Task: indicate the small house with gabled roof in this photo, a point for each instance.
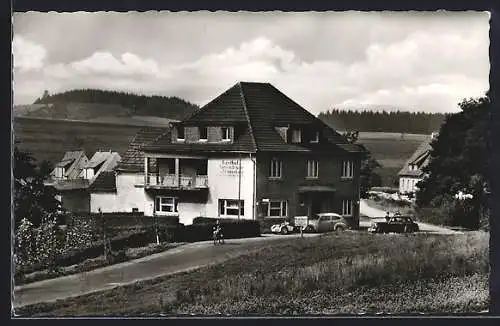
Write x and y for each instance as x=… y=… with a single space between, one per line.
x=78 y=180
x=412 y=172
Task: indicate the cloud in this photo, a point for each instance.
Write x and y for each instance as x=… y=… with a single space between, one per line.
x=422 y=71
x=27 y=55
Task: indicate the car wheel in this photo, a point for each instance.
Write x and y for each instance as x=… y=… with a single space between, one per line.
x=339 y=228
x=309 y=229
x=284 y=230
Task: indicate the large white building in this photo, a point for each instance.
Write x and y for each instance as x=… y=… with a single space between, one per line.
x=250 y=153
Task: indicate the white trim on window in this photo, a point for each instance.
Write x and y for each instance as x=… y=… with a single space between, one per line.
x=227 y=133
x=316 y=139
x=312 y=169
x=165 y=205
x=276 y=169
x=205 y=129
x=229 y=207
x=296 y=136
x=275 y=208
x=181 y=139
x=347 y=207
x=347 y=169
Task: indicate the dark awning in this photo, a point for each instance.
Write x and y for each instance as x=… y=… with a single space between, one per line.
x=316 y=189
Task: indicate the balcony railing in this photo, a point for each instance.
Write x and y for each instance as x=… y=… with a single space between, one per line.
x=174 y=181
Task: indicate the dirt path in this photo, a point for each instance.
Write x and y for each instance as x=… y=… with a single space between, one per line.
x=184 y=258
x=376 y=214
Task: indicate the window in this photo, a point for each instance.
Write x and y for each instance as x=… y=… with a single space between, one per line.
x=276 y=167
x=275 y=208
x=203 y=133
x=296 y=136
x=347 y=207
x=347 y=169
x=59 y=172
x=165 y=204
x=226 y=133
x=180 y=133
x=315 y=139
x=312 y=169
x=230 y=207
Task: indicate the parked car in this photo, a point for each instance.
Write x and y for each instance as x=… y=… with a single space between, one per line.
x=283 y=228
x=397 y=224
x=322 y=222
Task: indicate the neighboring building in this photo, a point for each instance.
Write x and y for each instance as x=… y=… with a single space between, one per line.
x=412 y=173
x=74 y=176
x=250 y=153
x=130 y=195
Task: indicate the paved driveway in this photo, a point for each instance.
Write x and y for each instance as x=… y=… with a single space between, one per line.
x=183 y=258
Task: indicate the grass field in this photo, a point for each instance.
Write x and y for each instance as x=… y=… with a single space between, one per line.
x=347 y=273
x=391 y=150
x=50 y=139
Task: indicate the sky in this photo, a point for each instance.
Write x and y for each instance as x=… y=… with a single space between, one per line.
x=416 y=61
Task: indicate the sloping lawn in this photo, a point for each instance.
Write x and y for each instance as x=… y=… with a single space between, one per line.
x=347 y=273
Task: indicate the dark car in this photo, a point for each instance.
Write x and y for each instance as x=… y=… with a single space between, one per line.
x=397 y=224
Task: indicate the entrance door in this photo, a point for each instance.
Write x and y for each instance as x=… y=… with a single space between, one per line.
x=315 y=204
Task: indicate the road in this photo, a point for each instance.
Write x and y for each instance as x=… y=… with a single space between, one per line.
x=376 y=214
x=180 y=259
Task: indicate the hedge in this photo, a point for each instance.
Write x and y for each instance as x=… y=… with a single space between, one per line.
x=128 y=220
x=232 y=229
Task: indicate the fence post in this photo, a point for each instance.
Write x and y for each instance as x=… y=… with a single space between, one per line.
x=155 y=220
x=104 y=241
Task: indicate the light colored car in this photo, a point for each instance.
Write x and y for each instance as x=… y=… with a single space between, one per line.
x=283 y=228
x=322 y=222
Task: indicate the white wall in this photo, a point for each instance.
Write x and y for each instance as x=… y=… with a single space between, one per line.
x=223 y=184
x=107 y=202
x=408 y=184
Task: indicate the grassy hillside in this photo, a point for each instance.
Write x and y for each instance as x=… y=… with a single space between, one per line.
x=391 y=150
x=347 y=273
x=83 y=104
x=49 y=139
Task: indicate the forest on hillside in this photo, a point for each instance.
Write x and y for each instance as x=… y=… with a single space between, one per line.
x=162 y=106
x=383 y=121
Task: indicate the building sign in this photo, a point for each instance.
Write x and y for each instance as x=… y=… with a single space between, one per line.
x=230 y=167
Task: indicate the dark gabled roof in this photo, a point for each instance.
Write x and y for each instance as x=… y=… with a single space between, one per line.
x=257 y=108
x=420 y=158
x=97 y=159
x=133 y=158
x=227 y=107
x=105 y=182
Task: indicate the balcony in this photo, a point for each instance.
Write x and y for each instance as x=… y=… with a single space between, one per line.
x=172 y=181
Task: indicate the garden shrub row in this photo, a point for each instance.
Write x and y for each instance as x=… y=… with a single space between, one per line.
x=202 y=229
x=128 y=220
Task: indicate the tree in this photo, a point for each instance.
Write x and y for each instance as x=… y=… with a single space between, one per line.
x=460 y=162
x=32 y=199
x=368 y=177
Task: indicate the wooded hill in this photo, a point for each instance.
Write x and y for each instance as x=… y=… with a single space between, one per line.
x=137 y=105
x=383 y=121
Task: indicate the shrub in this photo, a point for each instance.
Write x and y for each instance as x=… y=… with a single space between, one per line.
x=233 y=229
x=24 y=244
x=46 y=243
